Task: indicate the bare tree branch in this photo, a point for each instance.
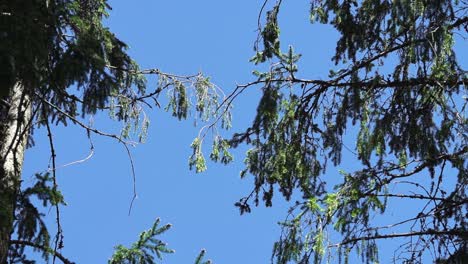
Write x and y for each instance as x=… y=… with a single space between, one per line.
x=453 y=232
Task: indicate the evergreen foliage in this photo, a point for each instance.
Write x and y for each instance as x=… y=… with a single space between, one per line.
x=70 y=66
x=29 y=224
x=144 y=249
x=147 y=246
x=397 y=81
x=200 y=258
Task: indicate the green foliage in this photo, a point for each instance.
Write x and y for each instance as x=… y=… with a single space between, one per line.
x=145 y=249
x=29 y=223
x=197 y=160
x=72 y=67
x=396 y=81
x=277 y=156
x=220 y=151
x=210 y=110
x=398 y=84
x=76 y=49
x=200 y=258
x=270 y=35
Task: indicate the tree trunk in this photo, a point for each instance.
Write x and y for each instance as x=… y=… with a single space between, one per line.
x=14 y=132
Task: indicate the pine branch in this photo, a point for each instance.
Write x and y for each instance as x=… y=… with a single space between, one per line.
x=421 y=197
x=426 y=163
x=364 y=84
x=43 y=248
x=58 y=236
x=459 y=22
x=430 y=232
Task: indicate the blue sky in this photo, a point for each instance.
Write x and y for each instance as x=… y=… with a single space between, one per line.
x=183 y=37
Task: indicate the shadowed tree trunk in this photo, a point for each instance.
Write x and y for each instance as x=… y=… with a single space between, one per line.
x=15 y=118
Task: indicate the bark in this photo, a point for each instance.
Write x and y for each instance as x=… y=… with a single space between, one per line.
x=14 y=132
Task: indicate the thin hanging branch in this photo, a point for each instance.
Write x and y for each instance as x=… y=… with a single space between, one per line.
x=89 y=129
x=58 y=241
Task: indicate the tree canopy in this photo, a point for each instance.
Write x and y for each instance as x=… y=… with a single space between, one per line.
x=59 y=65
x=396 y=82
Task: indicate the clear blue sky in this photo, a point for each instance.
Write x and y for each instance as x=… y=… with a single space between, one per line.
x=183 y=37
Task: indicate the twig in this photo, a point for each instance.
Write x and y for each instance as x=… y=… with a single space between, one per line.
x=134 y=179
x=91 y=153
x=88 y=128
x=58 y=243
x=153 y=71
x=96 y=131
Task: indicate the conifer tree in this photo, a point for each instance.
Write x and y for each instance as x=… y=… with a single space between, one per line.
x=396 y=81
x=60 y=64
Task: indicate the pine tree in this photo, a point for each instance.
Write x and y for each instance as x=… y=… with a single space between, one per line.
x=60 y=64
x=397 y=82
